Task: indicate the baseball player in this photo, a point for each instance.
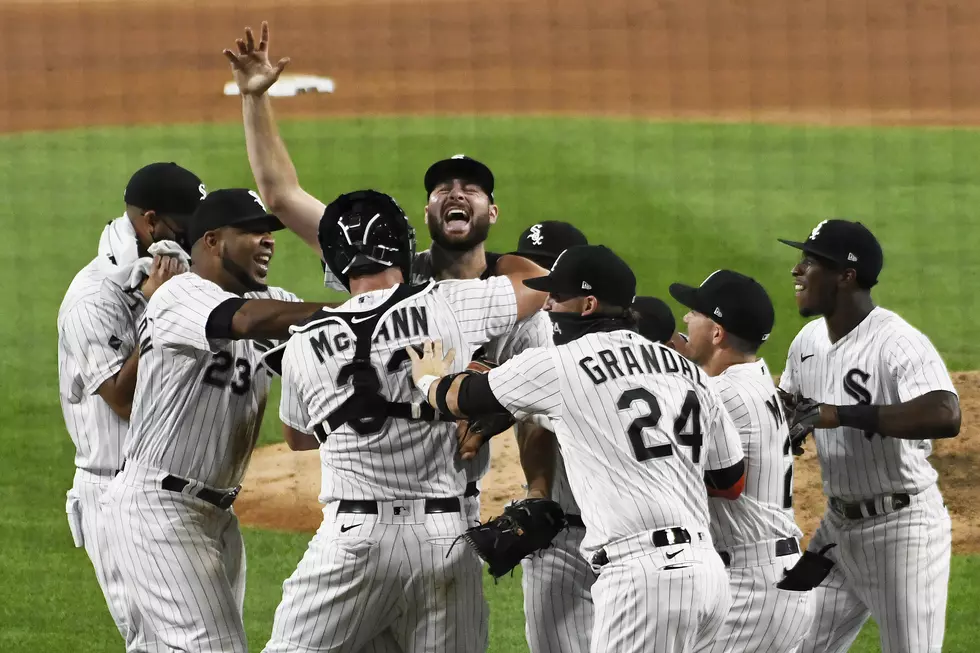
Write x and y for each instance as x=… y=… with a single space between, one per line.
x=756 y=535
x=558 y=581
x=641 y=434
x=199 y=401
x=383 y=560
x=98 y=358
x=874 y=390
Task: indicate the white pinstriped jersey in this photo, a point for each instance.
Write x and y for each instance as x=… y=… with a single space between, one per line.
x=403 y=459
x=637 y=425
x=764 y=510
x=884 y=360
x=199 y=402
x=96 y=334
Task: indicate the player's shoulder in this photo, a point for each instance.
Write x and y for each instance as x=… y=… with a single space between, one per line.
x=884 y=322
x=85 y=287
x=176 y=289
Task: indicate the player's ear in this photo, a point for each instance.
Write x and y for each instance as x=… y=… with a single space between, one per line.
x=590 y=305
x=493 y=213
x=848 y=277
x=425 y=217
x=211 y=239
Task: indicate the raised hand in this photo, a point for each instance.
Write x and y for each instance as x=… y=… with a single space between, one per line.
x=253 y=72
x=162 y=269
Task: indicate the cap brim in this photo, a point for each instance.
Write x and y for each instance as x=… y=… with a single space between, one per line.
x=685 y=295
x=261 y=224
x=809 y=250
x=548 y=284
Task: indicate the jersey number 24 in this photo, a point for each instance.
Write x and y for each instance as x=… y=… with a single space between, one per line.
x=687 y=426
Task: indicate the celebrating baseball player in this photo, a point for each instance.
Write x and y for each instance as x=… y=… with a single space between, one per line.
x=98 y=357
x=730 y=317
x=383 y=560
x=873 y=390
x=628 y=413
x=199 y=401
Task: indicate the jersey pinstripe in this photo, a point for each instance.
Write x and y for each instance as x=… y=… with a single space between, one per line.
x=884 y=360
x=199 y=402
x=405 y=459
x=628 y=413
x=96 y=334
x=764 y=509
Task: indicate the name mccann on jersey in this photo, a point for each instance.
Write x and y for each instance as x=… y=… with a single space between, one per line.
x=614 y=362
x=409 y=322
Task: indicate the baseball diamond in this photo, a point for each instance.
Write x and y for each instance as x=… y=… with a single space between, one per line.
x=554 y=383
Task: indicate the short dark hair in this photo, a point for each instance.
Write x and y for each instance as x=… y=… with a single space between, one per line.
x=741 y=345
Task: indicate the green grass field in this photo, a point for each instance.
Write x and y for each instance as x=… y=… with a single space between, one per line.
x=677 y=201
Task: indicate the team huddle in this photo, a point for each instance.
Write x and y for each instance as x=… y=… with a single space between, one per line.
x=666 y=456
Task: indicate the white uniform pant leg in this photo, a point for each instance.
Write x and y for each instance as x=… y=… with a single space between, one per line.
x=557 y=585
x=181 y=559
x=764 y=618
x=653 y=604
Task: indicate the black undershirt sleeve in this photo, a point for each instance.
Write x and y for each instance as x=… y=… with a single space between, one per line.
x=218 y=326
x=723 y=479
x=475 y=398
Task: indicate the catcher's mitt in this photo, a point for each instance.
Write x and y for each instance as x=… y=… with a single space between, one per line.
x=527 y=526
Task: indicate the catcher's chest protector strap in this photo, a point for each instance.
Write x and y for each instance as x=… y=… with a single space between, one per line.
x=366 y=410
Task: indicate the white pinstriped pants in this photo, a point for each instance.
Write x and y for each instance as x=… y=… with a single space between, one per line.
x=90 y=529
x=892 y=567
x=558 y=596
x=764 y=618
x=384 y=582
x=646 y=602
x=183 y=563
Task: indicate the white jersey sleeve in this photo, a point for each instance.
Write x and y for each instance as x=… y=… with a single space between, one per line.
x=528 y=385
x=99 y=338
x=789 y=381
x=531 y=332
x=483 y=309
x=916 y=366
x=293 y=410
x=725 y=448
x=179 y=311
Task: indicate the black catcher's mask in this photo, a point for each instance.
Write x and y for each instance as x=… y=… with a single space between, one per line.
x=363 y=233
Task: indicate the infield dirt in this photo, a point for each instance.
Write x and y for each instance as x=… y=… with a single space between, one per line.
x=74 y=63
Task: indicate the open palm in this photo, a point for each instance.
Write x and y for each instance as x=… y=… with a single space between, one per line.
x=253 y=72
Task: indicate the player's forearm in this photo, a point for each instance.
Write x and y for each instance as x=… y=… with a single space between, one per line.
x=933 y=416
x=538 y=450
x=274 y=172
x=269 y=318
x=517 y=269
x=118 y=391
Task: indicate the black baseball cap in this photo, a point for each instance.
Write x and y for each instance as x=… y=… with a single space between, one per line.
x=165 y=188
x=585 y=270
x=845 y=244
x=545 y=241
x=733 y=300
x=231 y=207
x=459 y=166
x=656 y=321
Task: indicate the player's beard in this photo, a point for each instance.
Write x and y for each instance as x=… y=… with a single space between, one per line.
x=242 y=275
x=479 y=231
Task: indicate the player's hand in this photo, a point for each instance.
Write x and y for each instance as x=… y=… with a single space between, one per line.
x=432 y=362
x=253 y=72
x=469 y=440
x=806 y=416
x=162 y=269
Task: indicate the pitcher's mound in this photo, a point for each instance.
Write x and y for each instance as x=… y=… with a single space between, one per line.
x=280 y=490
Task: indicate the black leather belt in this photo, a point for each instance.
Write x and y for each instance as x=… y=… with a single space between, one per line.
x=222 y=500
x=862 y=509
x=784 y=547
x=574 y=520
x=432 y=506
x=665 y=537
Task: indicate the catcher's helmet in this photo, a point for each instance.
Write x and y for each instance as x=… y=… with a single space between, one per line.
x=366 y=231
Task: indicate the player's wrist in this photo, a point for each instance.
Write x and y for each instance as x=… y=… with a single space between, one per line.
x=425 y=382
x=860 y=416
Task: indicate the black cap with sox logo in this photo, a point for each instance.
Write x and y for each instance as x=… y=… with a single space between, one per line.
x=738 y=303
x=845 y=244
x=589 y=270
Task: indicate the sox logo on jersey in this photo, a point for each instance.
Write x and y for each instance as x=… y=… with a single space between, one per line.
x=883 y=360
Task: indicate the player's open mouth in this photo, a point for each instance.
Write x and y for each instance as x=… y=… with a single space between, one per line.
x=457 y=221
x=262 y=263
x=799 y=287
x=456 y=215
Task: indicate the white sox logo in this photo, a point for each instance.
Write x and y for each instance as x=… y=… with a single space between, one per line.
x=258 y=200
x=854 y=386
x=535 y=235
x=816 y=230
x=203 y=191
